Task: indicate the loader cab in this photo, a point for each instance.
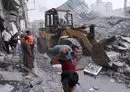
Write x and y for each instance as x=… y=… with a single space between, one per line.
x=56 y=20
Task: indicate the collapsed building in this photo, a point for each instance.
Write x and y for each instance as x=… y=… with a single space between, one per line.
x=105 y=27
x=14 y=14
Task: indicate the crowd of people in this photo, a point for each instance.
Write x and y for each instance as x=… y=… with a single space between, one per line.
x=61 y=54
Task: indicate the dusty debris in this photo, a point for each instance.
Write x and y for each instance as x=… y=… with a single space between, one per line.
x=2 y=58
x=96 y=88
x=32 y=80
x=114 y=56
x=14 y=76
x=112 y=80
x=128 y=86
x=91 y=90
x=6 y=88
x=38 y=88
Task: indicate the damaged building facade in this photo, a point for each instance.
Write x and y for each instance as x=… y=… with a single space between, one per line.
x=14 y=14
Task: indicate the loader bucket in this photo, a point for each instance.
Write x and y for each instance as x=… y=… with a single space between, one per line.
x=99 y=55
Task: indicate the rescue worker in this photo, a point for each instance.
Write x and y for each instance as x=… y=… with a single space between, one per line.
x=64 y=55
x=6 y=36
x=30 y=41
x=27 y=54
x=69 y=80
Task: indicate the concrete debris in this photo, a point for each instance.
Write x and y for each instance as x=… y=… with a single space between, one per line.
x=117 y=65
x=128 y=86
x=125 y=39
x=121 y=44
x=112 y=80
x=119 y=53
x=12 y=76
x=15 y=59
x=6 y=88
x=39 y=88
x=2 y=58
x=96 y=88
x=114 y=56
x=2 y=54
x=32 y=81
x=8 y=57
x=10 y=70
x=91 y=90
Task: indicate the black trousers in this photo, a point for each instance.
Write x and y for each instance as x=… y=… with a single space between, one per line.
x=6 y=46
x=32 y=50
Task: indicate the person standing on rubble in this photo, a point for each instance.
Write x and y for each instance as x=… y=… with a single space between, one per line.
x=65 y=56
x=41 y=43
x=6 y=36
x=27 y=53
x=30 y=41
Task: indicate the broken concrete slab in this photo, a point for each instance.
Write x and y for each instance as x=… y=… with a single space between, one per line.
x=15 y=59
x=96 y=88
x=125 y=44
x=37 y=88
x=6 y=88
x=8 y=58
x=125 y=39
x=14 y=76
x=120 y=48
x=4 y=65
x=114 y=56
x=32 y=80
x=112 y=80
x=91 y=89
x=2 y=58
x=2 y=54
x=117 y=66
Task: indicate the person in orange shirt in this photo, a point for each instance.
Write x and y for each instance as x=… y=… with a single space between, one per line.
x=27 y=54
x=30 y=41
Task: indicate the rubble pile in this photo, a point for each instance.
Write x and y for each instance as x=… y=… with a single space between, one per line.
x=110 y=26
x=120 y=60
x=13 y=79
x=48 y=74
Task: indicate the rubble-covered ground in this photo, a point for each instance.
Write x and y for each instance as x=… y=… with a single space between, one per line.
x=13 y=79
x=48 y=80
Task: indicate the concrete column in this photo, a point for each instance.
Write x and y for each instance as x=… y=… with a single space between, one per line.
x=1 y=9
x=25 y=13
x=125 y=6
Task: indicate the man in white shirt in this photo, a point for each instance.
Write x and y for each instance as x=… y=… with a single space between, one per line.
x=6 y=37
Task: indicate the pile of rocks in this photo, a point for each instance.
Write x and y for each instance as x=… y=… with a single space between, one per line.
x=13 y=79
x=119 y=54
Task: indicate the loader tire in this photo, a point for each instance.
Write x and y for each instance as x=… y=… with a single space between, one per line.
x=73 y=43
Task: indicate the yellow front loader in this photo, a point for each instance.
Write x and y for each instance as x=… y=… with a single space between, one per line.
x=60 y=30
